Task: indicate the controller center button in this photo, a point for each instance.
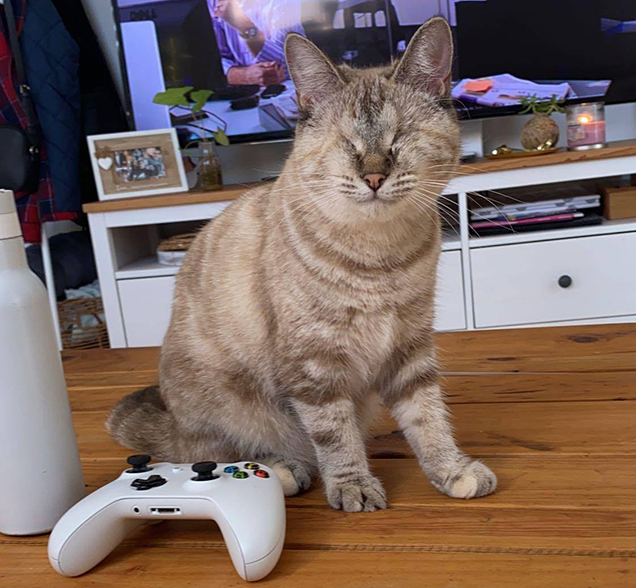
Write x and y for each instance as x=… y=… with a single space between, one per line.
x=251 y=466
x=148 y=483
x=204 y=471
x=261 y=474
x=240 y=475
x=231 y=469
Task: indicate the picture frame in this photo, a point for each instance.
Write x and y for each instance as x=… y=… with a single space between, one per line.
x=137 y=163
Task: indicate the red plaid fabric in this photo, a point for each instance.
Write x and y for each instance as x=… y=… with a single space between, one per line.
x=39 y=207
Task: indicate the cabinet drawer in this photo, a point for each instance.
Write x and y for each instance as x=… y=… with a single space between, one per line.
x=145 y=306
x=564 y=280
x=449 y=304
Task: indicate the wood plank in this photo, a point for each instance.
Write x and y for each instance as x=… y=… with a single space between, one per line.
x=564 y=482
x=123 y=361
x=101 y=391
x=482 y=430
x=576 y=532
x=574 y=363
x=615 y=149
x=100 y=398
x=129 y=567
x=572 y=428
x=529 y=387
x=587 y=348
x=230 y=192
x=593 y=348
x=78 y=382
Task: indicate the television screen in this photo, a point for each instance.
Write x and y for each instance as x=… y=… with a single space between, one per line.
x=226 y=56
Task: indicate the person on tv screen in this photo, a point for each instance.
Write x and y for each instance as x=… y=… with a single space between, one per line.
x=251 y=35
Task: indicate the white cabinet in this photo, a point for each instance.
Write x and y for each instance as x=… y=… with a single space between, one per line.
x=449 y=303
x=488 y=282
x=146 y=304
x=570 y=279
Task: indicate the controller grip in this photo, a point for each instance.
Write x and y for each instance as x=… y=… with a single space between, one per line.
x=254 y=535
x=82 y=538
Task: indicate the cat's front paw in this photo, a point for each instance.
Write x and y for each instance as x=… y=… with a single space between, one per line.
x=294 y=476
x=364 y=493
x=473 y=481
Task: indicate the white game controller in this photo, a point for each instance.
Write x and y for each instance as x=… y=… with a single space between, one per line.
x=245 y=499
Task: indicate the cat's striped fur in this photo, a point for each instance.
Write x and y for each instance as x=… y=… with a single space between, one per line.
x=310 y=300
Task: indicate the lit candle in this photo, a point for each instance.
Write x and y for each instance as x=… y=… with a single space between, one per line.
x=586 y=125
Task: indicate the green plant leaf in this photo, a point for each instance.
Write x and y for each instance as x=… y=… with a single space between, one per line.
x=173 y=97
x=200 y=97
x=220 y=137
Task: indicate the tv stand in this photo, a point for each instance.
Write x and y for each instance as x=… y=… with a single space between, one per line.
x=502 y=281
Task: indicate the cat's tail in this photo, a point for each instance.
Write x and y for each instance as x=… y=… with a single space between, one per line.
x=142 y=422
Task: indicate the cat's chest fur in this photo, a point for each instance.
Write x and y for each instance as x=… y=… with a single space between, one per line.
x=371 y=339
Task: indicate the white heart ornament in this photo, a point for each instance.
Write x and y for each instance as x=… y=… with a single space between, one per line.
x=105 y=163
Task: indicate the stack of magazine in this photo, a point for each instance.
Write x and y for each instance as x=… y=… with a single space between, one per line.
x=576 y=211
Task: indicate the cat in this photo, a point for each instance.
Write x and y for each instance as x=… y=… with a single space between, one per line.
x=309 y=301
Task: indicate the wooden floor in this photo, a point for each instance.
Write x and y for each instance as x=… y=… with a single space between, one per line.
x=552 y=411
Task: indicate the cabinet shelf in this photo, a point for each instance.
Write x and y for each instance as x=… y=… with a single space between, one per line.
x=146 y=267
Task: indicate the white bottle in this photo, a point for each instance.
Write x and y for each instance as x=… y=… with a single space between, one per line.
x=42 y=475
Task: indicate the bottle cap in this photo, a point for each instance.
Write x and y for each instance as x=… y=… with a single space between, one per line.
x=9 y=223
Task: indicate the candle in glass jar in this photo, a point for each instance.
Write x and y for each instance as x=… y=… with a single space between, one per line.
x=586 y=125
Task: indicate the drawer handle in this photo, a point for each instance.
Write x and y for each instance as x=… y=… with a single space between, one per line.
x=565 y=281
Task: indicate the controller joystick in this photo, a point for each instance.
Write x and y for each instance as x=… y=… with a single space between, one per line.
x=139 y=463
x=204 y=471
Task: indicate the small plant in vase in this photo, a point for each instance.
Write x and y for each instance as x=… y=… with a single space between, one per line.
x=540 y=132
x=209 y=164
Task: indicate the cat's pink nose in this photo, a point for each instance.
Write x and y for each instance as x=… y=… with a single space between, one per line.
x=374 y=181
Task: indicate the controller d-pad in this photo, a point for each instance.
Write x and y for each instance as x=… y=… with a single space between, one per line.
x=251 y=466
x=148 y=483
x=240 y=475
x=261 y=474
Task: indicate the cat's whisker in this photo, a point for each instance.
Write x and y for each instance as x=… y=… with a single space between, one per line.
x=448 y=209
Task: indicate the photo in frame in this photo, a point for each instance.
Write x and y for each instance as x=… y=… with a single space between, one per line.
x=138 y=163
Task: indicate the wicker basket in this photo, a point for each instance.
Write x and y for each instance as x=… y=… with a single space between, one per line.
x=76 y=336
x=177 y=242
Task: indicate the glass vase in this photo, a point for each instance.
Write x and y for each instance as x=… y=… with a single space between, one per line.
x=209 y=168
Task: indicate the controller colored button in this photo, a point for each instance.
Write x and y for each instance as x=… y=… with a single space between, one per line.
x=261 y=474
x=251 y=466
x=231 y=469
x=240 y=475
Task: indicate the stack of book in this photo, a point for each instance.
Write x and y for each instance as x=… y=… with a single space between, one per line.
x=575 y=211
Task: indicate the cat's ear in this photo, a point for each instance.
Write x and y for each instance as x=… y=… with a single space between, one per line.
x=427 y=61
x=313 y=74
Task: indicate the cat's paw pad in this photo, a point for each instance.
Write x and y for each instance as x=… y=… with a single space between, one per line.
x=294 y=477
x=364 y=493
x=475 y=480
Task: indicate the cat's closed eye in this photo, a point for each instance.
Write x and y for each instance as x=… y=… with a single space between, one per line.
x=352 y=149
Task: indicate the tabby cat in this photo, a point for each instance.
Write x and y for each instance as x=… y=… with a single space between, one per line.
x=309 y=301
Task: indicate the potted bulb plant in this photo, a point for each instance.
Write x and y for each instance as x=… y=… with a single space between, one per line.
x=540 y=132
